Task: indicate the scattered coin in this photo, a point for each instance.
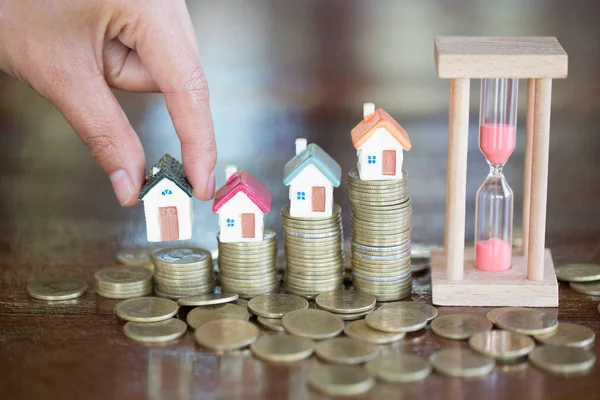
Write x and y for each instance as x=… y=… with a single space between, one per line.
x=282 y=348
x=56 y=289
x=201 y=315
x=568 y=334
x=208 y=299
x=461 y=362
x=312 y=323
x=459 y=326
x=226 y=334
x=275 y=305
x=242 y=303
x=493 y=314
x=344 y=350
x=562 y=360
x=135 y=257
x=396 y=320
x=352 y=317
x=427 y=309
x=527 y=322
x=361 y=331
x=273 y=324
x=146 y=309
x=155 y=332
x=501 y=345
x=591 y=288
x=399 y=368
x=578 y=272
x=340 y=380
x=345 y=301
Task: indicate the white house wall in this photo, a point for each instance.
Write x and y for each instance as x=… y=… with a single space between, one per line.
x=374 y=146
x=154 y=200
x=304 y=182
x=233 y=209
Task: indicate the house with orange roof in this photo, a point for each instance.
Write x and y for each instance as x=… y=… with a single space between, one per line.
x=379 y=142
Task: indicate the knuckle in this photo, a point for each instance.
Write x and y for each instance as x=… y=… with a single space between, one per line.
x=102 y=147
x=196 y=84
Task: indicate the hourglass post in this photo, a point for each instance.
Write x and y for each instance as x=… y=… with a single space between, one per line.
x=491 y=273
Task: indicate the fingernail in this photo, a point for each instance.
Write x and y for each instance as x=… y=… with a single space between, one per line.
x=122 y=185
x=210 y=185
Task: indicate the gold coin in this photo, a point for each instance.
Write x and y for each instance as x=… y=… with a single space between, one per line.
x=493 y=314
x=155 y=332
x=562 y=360
x=242 y=303
x=399 y=368
x=276 y=305
x=461 y=362
x=340 y=380
x=568 y=334
x=125 y=295
x=226 y=334
x=56 y=289
x=146 y=309
x=396 y=320
x=591 y=288
x=459 y=326
x=201 y=315
x=361 y=331
x=182 y=256
x=135 y=257
x=345 y=350
x=123 y=275
x=345 y=301
x=502 y=345
x=427 y=309
x=208 y=299
x=578 y=272
x=313 y=324
x=273 y=324
x=282 y=348
x=527 y=322
x=352 y=317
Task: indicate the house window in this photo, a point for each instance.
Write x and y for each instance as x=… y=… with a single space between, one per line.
x=300 y=195
x=230 y=222
x=166 y=192
x=372 y=159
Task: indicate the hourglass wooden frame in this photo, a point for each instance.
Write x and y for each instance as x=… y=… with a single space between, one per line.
x=531 y=281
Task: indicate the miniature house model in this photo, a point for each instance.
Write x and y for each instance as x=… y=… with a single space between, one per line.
x=167 y=197
x=523 y=277
x=379 y=142
x=241 y=205
x=311 y=175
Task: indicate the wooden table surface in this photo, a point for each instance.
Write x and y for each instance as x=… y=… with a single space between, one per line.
x=277 y=71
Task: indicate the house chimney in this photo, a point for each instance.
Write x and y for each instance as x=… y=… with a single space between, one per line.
x=368 y=110
x=300 y=145
x=229 y=171
x=155 y=171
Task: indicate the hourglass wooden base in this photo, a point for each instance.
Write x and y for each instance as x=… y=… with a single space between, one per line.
x=487 y=289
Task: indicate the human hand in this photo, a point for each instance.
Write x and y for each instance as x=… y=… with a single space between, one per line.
x=72 y=52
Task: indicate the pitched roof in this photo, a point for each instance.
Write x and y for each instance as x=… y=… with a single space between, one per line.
x=246 y=183
x=313 y=155
x=380 y=118
x=169 y=168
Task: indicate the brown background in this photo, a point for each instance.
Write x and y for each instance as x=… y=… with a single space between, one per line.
x=280 y=70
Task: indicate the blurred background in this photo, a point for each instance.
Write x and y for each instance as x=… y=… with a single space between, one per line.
x=279 y=70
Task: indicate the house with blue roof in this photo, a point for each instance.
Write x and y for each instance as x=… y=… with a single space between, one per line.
x=311 y=175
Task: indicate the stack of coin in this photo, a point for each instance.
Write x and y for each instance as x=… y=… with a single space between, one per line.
x=249 y=268
x=182 y=272
x=123 y=282
x=381 y=233
x=313 y=253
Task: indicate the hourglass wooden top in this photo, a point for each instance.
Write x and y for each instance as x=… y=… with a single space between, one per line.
x=500 y=57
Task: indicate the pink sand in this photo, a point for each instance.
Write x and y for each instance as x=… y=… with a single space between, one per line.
x=497 y=142
x=493 y=255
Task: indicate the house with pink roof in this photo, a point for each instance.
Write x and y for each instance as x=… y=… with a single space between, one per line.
x=241 y=205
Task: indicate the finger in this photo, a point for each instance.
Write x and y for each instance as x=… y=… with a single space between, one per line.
x=165 y=47
x=124 y=70
x=96 y=116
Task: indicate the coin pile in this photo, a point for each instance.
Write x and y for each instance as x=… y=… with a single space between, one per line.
x=249 y=268
x=381 y=233
x=313 y=253
x=183 y=272
x=123 y=282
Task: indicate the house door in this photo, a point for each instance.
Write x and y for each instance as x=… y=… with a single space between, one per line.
x=169 y=223
x=248 y=226
x=318 y=198
x=388 y=166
